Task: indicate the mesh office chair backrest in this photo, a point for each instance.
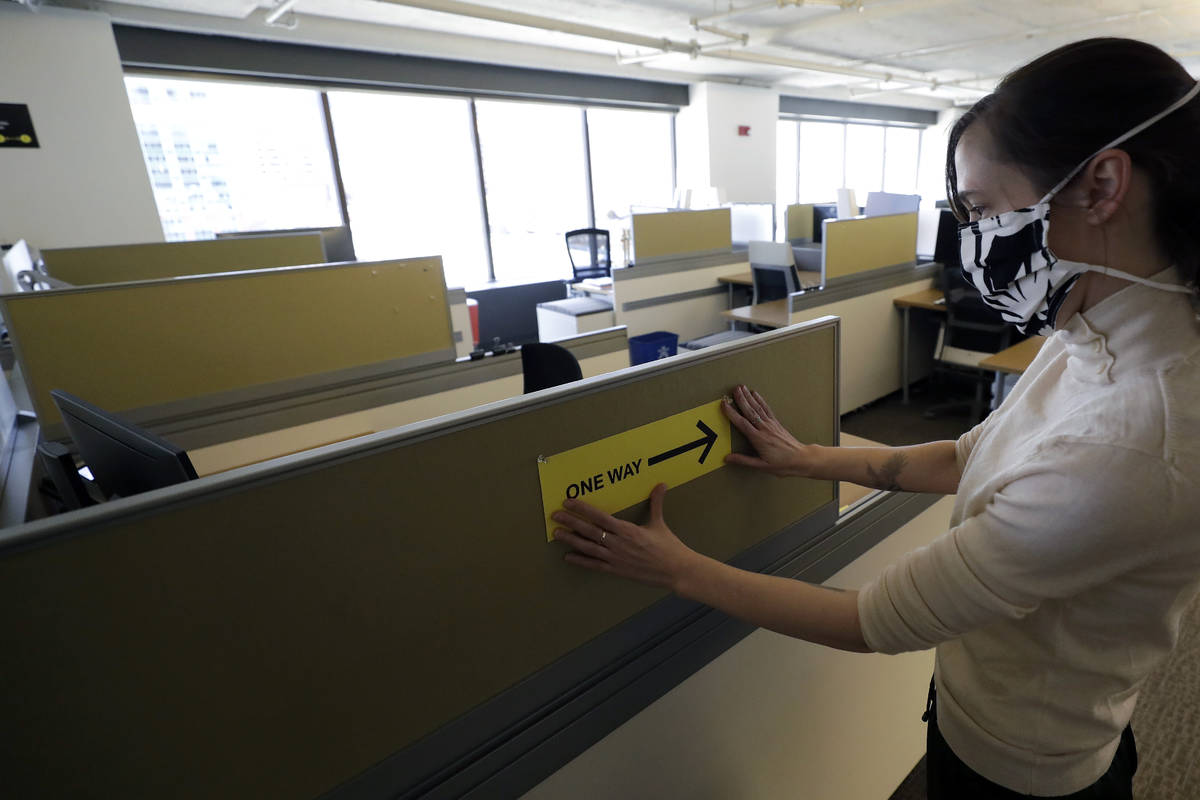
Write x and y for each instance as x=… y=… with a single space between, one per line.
x=588 y=249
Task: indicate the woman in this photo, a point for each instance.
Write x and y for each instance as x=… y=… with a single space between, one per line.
x=1075 y=538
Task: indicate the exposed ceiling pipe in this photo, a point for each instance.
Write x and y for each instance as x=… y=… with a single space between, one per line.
x=750 y=9
x=1028 y=33
x=661 y=46
x=737 y=37
x=545 y=23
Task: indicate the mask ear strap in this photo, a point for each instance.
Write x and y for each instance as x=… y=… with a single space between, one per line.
x=1180 y=103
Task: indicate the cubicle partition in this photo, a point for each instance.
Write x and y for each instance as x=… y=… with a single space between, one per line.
x=384 y=618
x=674 y=283
x=800 y=222
x=217 y=442
x=859 y=245
x=88 y=266
x=155 y=350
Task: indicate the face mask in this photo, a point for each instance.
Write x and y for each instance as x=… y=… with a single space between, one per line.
x=1008 y=259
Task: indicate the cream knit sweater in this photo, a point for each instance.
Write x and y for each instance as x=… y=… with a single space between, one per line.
x=1073 y=548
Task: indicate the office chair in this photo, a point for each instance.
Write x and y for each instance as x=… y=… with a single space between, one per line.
x=546 y=365
x=971 y=332
x=589 y=253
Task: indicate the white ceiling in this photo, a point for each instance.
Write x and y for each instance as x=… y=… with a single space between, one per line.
x=925 y=53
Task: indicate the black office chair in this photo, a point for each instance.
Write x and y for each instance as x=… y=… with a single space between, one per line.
x=773 y=282
x=588 y=249
x=971 y=332
x=546 y=365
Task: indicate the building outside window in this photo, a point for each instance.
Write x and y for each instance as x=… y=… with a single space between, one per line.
x=226 y=156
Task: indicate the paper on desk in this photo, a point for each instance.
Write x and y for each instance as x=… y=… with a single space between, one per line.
x=619 y=471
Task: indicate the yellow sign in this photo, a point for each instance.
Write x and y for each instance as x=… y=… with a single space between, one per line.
x=620 y=471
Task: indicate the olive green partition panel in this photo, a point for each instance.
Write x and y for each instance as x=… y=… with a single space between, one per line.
x=276 y=631
x=866 y=243
x=169 y=344
x=87 y=266
x=799 y=219
x=676 y=233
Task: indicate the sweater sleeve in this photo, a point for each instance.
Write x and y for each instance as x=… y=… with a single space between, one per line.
x=1071 y=519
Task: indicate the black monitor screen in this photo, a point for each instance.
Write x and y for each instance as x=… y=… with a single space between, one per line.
x=945 y=250
x=822 y=212
x=123 y=458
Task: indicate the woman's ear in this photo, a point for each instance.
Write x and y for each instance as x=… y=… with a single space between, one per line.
x=1104 y=184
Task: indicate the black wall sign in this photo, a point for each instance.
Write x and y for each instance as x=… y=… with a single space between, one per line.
x=16 y=126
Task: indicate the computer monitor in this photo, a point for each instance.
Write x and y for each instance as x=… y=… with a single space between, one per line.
x=123 y=458
x=946 y=249
x=881 y=204
x=822 y=212
x=774 y=271
x=751 y=222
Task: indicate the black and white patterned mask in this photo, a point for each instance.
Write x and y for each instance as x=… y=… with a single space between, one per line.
x=1008 y=258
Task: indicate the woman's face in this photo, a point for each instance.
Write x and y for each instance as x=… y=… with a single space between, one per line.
x=986 y=186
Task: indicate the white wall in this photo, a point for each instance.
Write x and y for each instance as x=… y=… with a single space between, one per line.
x=711 y=153
x=774 y=717
x=87 y=183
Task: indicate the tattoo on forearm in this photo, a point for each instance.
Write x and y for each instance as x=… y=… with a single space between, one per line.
x=888 y=476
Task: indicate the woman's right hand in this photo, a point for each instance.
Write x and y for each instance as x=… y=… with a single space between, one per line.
x=777 y=451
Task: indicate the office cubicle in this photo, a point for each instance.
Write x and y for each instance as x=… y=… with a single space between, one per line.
x=341 y=623
x=273 y=428
x=674 y=285
x=157 y=350
x=88 y=266
x=337 y=240
x=867 y=262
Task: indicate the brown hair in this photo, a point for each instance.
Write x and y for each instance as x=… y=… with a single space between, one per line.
x=1055 y=111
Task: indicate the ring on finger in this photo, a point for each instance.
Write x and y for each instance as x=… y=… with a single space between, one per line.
x=603 y=536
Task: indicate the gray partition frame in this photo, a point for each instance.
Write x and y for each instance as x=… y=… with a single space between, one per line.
x=510 y=743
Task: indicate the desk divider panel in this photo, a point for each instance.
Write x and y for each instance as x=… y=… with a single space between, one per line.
x=799 y=221
x=676 y=233
x=172 y=343
x=279 y=630
x=865 y=243
x=87 y=266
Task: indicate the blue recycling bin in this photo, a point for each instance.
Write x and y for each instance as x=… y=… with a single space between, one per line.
x=652 y=346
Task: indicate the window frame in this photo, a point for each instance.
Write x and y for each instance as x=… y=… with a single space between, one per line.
x=324 y=87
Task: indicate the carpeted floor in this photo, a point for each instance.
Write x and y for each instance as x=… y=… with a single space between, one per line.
x=1167 y=720
x=890 y=422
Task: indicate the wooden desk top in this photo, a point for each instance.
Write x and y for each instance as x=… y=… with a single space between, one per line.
x=923 y=299
x=1015 y=359
x=774 y=314
x=808 y=278
x=588 y=289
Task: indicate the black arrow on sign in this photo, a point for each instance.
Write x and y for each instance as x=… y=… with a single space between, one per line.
x=708 y=440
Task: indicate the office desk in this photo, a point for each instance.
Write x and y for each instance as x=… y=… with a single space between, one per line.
x=774 y=314
x=1012 y=360
x=808 y=278
x=927 y=299
x=1016 y=359
x=591 y=291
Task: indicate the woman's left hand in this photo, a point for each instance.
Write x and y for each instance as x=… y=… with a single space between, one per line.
x=648 y=553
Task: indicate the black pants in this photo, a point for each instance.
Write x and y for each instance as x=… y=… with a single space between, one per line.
x=948 y=778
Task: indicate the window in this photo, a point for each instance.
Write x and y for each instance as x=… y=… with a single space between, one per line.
x=864 y=160
x=863 y=157
x=631 y=166
x=787 y=167
x=412 y=189
x=821 y=161
x=536 y=186
x=233 y=157
x=902 y=153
